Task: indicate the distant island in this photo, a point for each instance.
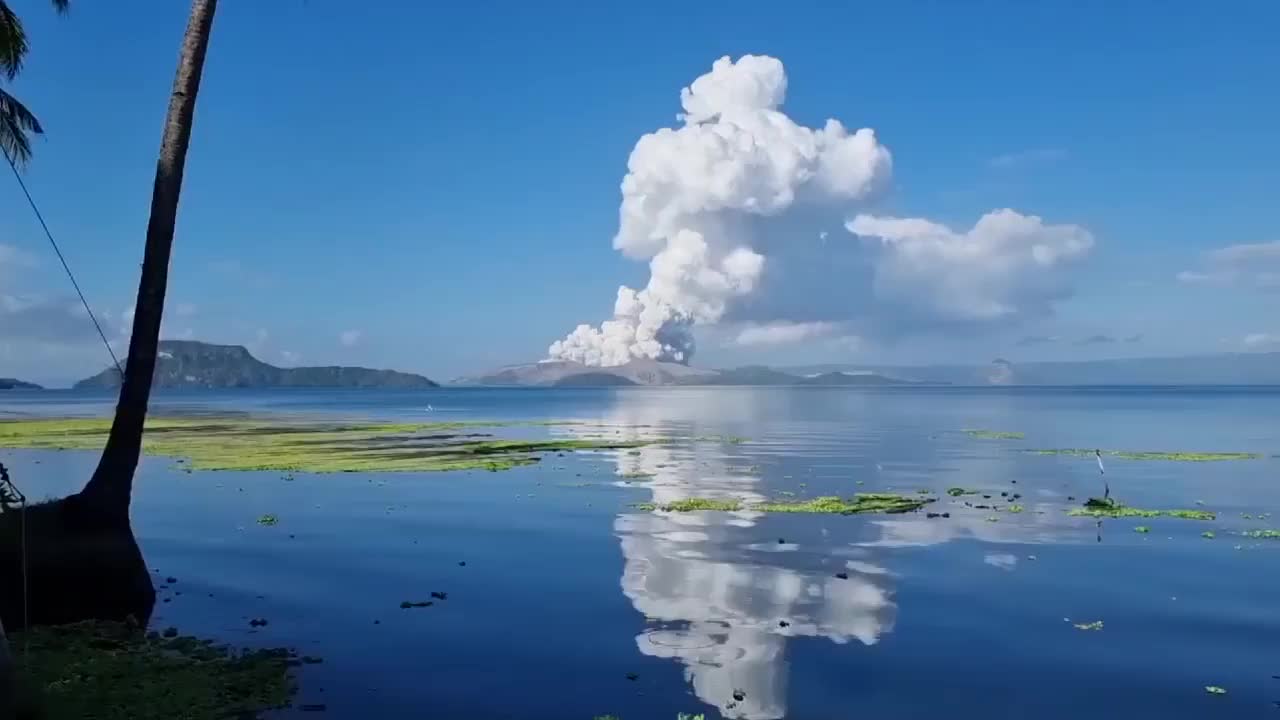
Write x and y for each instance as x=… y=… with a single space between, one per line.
x=562 y=373
x=1253 y=369
x=11 y=384
x=192 y=364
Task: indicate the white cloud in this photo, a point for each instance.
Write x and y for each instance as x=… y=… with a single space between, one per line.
x=1260 y=340
x=1254 y=265
x=1006 y=266
x=349 y=338
x=694 y=197
x=733 y=210
x=784 y=333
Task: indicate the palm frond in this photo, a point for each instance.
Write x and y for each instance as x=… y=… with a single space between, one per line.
x=17 y=124
x=13 y=41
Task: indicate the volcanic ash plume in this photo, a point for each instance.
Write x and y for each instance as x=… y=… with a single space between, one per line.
x=695 y=197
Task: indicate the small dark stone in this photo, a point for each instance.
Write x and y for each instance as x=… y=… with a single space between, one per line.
x=782 y=541
x=1071 y=497
x=946 y=514
x=783 y=623
x=842 y=575
x=167 y=600
x=377 y=622
x=986 y=497
x=258 y=622
x=739 y=695
x=171 y=580
x=439 y=595
x=933 y=515
x=171 y=632
x=462 y=563
x=1004 y=493
x=1015 y=482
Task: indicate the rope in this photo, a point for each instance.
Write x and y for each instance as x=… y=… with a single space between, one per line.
x=39 y=216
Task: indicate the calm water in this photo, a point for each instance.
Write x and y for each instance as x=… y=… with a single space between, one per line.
x=567 y=589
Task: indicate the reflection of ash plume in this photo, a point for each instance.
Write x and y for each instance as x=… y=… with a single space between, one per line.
x=718 y=614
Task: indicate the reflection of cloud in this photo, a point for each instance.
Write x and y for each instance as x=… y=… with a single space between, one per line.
x=719 y=604
x=1004 y=561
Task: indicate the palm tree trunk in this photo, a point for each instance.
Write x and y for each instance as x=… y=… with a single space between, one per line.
x=111 y=486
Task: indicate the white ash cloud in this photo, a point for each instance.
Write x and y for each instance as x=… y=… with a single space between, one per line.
x=692 y=198
x=736 y=209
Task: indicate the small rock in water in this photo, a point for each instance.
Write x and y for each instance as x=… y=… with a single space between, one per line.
x=739 y=695
x=782 y=541
x=462 y=563
x=946 y=514
x=258 y=622
x=783 y=623
x=842 y=575
x=439 y=595
x=171 y=580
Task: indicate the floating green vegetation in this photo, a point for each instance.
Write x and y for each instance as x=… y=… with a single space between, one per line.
x=292 y=445
x=1095 y=625
x=1142 y=529
x=1215 y=690
x=110 y=671
x=1262 y=534
x=268 y=520
x=994 y=435
x=958 y=491
x=1169 y=456
x=1015 y=508
x=827 y=505
x=1208 y=535
x=727 y=439
x=1099 y=508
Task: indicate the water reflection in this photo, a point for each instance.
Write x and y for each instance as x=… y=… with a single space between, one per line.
x=719 y=597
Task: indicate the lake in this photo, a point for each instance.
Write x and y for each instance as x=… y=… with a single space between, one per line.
x=574 y=603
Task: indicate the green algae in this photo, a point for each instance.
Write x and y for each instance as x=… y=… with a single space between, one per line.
x=994 y=435
x=1015 y=508
x=828 y=505
x=292 y=445
x=1146 y=455
x=1208 y=535
x=1262 y=534
x=268 y=520
x=1100 y=508
x=958 y=491
x=113 y=671
x=1142 y=529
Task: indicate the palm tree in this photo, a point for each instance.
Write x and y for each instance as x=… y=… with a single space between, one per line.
x=17 y=123
x=111 y=486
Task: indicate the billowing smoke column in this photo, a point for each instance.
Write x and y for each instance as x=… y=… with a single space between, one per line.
x=692 y=195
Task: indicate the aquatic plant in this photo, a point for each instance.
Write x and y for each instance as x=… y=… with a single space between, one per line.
x=958 y=491
x=1208 y=535
x=1109 y=508
x=1169 y=456
x=1015 y=508
x=113 y=671
x=994 y=435
x=1262 y=534
x=268 y=520
x=1095 y=625
x=1142 y=529
x=292 y=445
x=826 y=505
x=1215 y=690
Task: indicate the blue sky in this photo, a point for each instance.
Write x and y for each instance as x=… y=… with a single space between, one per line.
x=436 y=188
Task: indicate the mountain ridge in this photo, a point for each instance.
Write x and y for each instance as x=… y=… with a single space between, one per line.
x=191 y=363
